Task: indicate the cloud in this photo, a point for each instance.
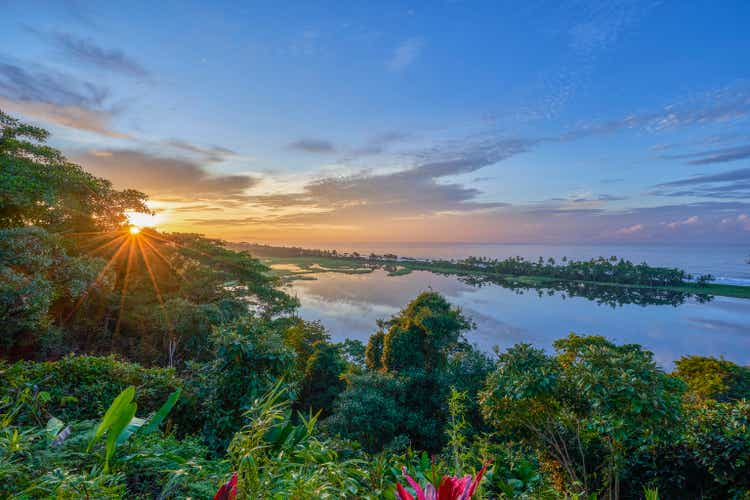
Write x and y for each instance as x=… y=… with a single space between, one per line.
x=741 y=221
x=687 y=222
x=68 y=116
x=85 y=51
x=212 y=154
x=733 y=184
x=160 y=177
x=197 y=208
x=418 y=191
x=48 y=86
x=718 y=106
x=55 y=97
x=378 y=144
x=601 y=23
x=722 y=326
x=713 y=156
x=629 y=230
x=405 y=54
x=732 y=175
x=312 y=146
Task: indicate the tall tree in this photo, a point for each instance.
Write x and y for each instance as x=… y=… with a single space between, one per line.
x=39 y=186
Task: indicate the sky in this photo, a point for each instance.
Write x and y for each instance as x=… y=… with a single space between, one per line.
x=608 y=121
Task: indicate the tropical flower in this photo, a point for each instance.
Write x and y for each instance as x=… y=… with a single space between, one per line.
x=451 y=487
x=228 y=490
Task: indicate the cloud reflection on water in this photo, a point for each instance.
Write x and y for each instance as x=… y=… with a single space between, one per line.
x=349 y=305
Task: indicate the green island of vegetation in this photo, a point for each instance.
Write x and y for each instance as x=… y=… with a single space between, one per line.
x=140 y=364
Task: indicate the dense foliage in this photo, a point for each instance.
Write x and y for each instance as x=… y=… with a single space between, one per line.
x=152 y=365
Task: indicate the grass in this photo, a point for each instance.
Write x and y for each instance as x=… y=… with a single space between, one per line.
x=307 y=267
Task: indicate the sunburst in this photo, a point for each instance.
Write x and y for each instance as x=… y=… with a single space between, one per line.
x=126 y=248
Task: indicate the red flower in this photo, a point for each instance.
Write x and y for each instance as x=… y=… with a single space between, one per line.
x=451 y=487
x=228 y=490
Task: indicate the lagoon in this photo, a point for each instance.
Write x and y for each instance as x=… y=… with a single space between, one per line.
x=348 y=305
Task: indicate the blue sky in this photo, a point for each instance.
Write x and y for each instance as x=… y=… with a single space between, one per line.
x=425 y=121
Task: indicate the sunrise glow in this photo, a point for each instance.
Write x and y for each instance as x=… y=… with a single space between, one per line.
x=141 y=220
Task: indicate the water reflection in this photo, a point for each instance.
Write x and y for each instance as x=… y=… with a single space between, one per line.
x=610 y=295
x=349 y=305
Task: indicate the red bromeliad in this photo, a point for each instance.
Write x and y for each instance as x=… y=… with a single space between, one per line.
x=228 y=490
x=451 y=487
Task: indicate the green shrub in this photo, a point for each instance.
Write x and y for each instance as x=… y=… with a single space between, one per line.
x=713 y=379
x=82 y=387
x=249 y=357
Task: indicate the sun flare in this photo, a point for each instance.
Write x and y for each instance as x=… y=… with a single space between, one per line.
x=135 y=230
x=140 y=220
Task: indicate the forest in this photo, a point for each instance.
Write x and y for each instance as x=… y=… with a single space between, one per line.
x=136 y=363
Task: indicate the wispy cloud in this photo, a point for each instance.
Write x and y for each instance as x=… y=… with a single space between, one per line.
x=312 y=146
x=86 y=51
x=692 y=220
x=55 y=97
x=40 y=84
x=378 y=144
x=629 y=230
x=734 y=184
x=405 y=54
x=211 y=154
x=723 y=155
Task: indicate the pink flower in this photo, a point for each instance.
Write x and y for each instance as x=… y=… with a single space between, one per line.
x=228 y=490
x=451 y=487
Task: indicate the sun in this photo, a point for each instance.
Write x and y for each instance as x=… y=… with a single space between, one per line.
x=140 y=220
x=135 y=230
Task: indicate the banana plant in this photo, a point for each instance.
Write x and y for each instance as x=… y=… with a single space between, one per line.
x=119 y=422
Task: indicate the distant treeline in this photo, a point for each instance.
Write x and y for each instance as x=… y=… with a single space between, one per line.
x=603 y=270
x=259 y=250
x=600 y=270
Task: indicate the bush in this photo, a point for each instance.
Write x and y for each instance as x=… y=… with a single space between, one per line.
x=713 y=379
x=249 y=357
x=82 y=387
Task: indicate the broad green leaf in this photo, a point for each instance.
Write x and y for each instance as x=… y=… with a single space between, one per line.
x=155 y=421
x=120 y=422
x=120 y=403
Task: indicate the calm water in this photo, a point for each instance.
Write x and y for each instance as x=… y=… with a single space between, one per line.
x=348 y=306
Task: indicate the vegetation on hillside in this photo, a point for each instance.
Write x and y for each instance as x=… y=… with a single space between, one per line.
x=151 y=365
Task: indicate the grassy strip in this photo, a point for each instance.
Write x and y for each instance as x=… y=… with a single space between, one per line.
x=309 y=266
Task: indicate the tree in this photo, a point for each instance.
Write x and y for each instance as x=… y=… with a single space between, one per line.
x=40 y=284
x=422 y=335
x=39 y=186
x=591 y=410
x=374 y=351
x=302 y=337
x=713 y=379
x=322 y=382
x=248 y=359
x=408 y=361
